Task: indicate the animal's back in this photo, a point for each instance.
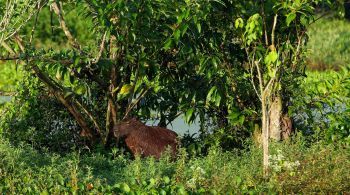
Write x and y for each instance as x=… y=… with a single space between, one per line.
x=146 y=140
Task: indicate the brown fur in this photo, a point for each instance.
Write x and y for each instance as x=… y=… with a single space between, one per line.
x=146 y=140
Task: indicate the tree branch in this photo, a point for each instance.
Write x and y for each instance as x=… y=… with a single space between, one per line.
x=92 y=118
x=102 y=47
x=273 y=30
x=8 y=48
x=57 y=9
x=35 y=22
x=133 y=104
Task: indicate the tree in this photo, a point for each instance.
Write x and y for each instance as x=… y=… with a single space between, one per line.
x=273 y=39
x=136 y=57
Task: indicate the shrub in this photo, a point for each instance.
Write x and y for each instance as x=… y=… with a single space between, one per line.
x=321 y=106
x=35 y=117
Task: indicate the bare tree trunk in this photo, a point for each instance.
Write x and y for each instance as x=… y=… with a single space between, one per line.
x=275 y=118
x=112 y=110
x=265 y=133
x=85 y=129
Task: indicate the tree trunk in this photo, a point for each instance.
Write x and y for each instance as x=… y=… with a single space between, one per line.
x=265 y=134
x=275 y=118
x=112 y=110
x=85 y=129
x=287 y=127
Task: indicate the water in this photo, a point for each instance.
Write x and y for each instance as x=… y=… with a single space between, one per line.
x=180 y=126
x=4 y=99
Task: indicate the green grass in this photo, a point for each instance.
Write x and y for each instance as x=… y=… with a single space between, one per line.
x=9 y=76
x=329 y=44
x=296 y=169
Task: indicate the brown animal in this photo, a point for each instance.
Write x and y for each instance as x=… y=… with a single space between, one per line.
x=145 y=140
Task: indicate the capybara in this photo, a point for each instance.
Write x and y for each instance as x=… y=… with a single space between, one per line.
x=145 y=140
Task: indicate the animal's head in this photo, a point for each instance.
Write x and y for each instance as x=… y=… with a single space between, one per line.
x=125 y=126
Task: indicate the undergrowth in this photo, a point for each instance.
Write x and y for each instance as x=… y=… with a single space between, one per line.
x=295 y=168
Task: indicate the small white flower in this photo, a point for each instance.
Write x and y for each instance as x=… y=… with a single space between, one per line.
x=200 y=170
x=191 y=183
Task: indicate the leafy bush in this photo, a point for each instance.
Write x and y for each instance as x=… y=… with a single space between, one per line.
x=321 y=106
x=35 y=117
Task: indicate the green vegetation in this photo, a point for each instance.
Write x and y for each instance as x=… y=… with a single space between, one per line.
x=267 y=124
x=322 y=105
x=329 y=40
x=316 y=162
x=9 y=76
x=295 y=169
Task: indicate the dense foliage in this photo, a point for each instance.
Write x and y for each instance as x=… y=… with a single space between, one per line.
x=321 y=106
x=191 y=58
x=85 y=65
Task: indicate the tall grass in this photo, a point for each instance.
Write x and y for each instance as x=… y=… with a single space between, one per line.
x=329 y=44
x=295 y=169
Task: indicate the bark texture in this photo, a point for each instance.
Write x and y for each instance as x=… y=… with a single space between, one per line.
x=275 y=119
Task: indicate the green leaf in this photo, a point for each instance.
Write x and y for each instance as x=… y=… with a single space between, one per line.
x=188 y=115
x=217 y=100
x=221 y=2
x=68 y=94
x=183 y=29
x=211 y=91
x=59 y=74
x=126 y=89
x=199 y=27
x=125 y=187
x=177 y=34
x=233 y=116
x=239 y=23
x=271 y=58
x=168 y=44
x=80 y=90
x=215 y=61
x=241 y=119
x=290 y=17
x=77 y=60
x=304 y=20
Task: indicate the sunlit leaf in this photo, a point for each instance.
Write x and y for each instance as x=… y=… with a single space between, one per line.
x=126 y=89
x=188 y=115
x=290 y=17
